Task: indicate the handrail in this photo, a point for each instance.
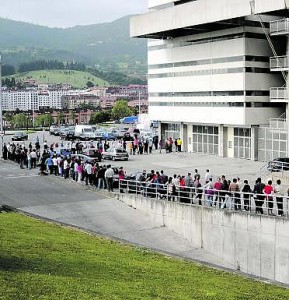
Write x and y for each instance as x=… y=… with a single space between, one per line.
x=273 y=204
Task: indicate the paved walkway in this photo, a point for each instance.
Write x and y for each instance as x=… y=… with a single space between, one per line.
x=64 y=201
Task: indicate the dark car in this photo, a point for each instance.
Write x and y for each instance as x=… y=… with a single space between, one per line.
x=67 y=134
x=278 y=164
x=20 y=136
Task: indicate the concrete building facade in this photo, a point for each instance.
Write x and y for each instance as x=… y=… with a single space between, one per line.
x=217 y=74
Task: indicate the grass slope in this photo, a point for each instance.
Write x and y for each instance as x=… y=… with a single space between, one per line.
x=76 y=79
x=45 y=261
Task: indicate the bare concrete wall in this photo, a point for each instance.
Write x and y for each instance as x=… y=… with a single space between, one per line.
x=254 y=244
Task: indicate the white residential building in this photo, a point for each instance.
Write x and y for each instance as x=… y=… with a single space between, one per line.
x=22 y=100
x=33 y=100
x=210 y=77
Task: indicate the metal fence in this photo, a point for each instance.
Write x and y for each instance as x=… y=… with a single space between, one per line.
x=275 y=205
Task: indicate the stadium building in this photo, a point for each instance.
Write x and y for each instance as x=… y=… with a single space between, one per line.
x=217 y=74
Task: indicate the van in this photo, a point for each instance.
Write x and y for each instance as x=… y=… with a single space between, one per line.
x=84 y=132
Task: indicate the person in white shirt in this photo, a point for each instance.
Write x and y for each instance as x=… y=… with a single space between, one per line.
x=88 y=171
x=109 y=178
x=208 y=175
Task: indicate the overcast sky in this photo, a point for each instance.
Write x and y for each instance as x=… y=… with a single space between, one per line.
x=68 y=13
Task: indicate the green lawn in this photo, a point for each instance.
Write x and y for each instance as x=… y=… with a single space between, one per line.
x=40 y=260
x=76 y=79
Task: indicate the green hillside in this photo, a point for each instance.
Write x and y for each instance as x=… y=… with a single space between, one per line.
x=76 y=79
x=107 y=46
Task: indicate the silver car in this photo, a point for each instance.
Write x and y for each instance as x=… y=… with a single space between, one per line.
x=115 y=154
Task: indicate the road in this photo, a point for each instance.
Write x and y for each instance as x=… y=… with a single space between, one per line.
x=64 y=201
x=176 y=163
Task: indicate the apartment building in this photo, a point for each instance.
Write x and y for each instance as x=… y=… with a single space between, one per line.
x=34 y=100
x=22 y=100
x=75 y=101
x=217 y=74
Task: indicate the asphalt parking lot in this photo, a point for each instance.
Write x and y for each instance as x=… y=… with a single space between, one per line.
x=174 y=163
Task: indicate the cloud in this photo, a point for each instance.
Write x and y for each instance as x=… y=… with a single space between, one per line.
x=67 y=13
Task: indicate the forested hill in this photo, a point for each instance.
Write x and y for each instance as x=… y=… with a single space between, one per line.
x=106 y=45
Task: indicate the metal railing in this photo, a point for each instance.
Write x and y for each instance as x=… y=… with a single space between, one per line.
x=279 y=94
x=280 y=26
x=279 y=62
x=275 y=205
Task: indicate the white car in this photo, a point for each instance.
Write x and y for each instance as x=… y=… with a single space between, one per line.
x=115 y=153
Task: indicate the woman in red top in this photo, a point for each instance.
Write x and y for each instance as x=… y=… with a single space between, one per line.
x=268 y=190
x=121 y=173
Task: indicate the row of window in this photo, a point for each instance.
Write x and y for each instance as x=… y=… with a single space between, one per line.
x=210 y=94
x=208 y=40
x=210 y=72
x=213 y=104
x=200 y=62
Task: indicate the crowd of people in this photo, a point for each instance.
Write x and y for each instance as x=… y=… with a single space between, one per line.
x=190 y=188
x=221 y=192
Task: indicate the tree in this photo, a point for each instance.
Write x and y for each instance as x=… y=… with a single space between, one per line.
x=60 y=118
x=20 y=120
x=89 y=84
x=44 y=120
x=72 y=116
x=100 y=117
x=121 y=110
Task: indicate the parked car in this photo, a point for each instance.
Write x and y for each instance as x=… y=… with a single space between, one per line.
x=93 y=153
x=67 y=133
x=20 y=136
x=53 y=129
x=115 y=153
x=84 y=157
x=278 y=164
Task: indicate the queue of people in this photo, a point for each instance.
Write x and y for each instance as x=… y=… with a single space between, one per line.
x=221 y=192
x=191 y=188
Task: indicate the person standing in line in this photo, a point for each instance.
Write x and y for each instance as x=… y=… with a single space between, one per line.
x=161 y=145
x=5 y=152
x=224 y=193
x=88 y=170
x=198 y=190
x=279 y=198
x=196 y=175
x=259 y=197
x=235 y=194
x=33 y=158
x=65 y=168
x=170 y=188
x=209 y=192
x=208 y=175
x=109 y=178
x=179 y=145
x=49 y=164
x=79 y=172
x=217 y=188
x=246 y=190
x=150 y=145
x=268 y=191
x=176 y=183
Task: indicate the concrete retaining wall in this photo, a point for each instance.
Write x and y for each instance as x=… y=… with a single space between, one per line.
x=254 y=244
